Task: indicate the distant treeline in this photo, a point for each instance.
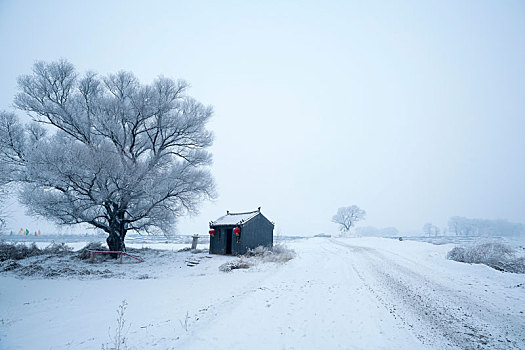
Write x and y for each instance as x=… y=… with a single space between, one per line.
x=461 y=226
x=458 y=226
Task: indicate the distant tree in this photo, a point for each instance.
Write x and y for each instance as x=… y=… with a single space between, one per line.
x=464 y=226
x=377 y=232
x=369 y=231
x=389 y=232
x=427 y=228
x=3 y=195
x=346 y=217
x=455 y=225
x=430 y=229
x=2 y=209
x=116 y=154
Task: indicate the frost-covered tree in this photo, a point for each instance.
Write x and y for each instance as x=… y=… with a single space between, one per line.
x=430 y=229
x=346 y=217
x=3 y=194
x=116 y=154
x=4 y=182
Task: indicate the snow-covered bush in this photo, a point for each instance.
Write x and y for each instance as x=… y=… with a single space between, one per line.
x=18 y=251
x=279 y=253
x=57 y=249
x=457 y=254
x=9 y=251
x=84 y=253
x=8 y=265
x=242 y=263
x=496 y=255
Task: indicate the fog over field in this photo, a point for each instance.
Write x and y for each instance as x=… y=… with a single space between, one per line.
x=413 y=111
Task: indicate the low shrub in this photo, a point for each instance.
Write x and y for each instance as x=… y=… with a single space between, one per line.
x=57 y=249
x=496 y=255
x=242 y=263
x=8 y=265
x=18 y=251
x=278 y=253
x=84 y=254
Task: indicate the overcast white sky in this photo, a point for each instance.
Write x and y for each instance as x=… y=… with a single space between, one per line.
x=413 y=110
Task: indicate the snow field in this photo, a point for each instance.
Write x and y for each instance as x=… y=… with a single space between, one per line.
x=363 y=293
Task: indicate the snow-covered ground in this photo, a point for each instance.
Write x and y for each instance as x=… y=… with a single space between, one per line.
x=355 y=293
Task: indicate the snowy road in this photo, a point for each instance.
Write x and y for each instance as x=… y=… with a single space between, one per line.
x=436 y=313
x=337 y=294
x=316 y=301
x=364 y=293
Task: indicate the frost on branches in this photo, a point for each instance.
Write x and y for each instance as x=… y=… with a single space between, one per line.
x=117 y=155
x=346 y=217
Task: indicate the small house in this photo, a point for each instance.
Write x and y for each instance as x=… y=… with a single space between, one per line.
x=235 y=233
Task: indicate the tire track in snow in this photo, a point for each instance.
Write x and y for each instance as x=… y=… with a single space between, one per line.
x=438 y=315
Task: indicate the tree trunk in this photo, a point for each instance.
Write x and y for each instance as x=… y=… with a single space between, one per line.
x=115 y=243
x=116 y=229
x=117 y=233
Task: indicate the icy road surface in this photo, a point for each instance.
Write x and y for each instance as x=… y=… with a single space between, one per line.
x=364 y=293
